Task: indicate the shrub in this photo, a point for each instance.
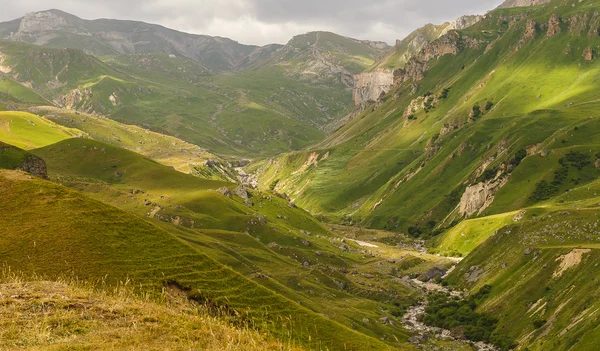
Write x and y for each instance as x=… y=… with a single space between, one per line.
x=445 y=93
x=273 y=184
x=476 y=112
x=489 y=105
x=519 y=157
x=412 y=117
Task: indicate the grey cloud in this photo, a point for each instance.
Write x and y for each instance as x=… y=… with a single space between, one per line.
x=267 y=21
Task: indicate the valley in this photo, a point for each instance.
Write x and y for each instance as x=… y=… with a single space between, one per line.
x=161 y=189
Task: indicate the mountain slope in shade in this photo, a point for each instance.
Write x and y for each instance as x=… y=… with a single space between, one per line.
x=58 y=29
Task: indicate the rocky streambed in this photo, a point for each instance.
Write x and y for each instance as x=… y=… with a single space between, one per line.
x=412 y=320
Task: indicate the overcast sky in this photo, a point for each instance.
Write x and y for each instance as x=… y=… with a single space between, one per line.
x=267 y=21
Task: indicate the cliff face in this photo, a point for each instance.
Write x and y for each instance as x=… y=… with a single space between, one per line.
x=371 y=86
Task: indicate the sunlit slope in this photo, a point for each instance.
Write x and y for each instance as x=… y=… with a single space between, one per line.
x=543 y=276
x=536 y=91
x=29 y=131
x=265 y=238
x=61 y=232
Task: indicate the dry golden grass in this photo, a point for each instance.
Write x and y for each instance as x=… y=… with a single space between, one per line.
x=68 y=315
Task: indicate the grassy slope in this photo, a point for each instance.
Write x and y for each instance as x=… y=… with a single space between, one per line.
x=273 y=253
x=48 y=125
x=521 y=262
x=74 y=315
x=384 y=170
x=29 y=131
x=99 y=242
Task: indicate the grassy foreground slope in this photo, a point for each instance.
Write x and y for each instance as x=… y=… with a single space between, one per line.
x=75 y=315
x=495 y=106
x=52 y=231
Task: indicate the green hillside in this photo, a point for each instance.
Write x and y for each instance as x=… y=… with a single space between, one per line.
x=506 y=95
x=278 y=98
x=264 y=238
x=59 y=231
x=29 y=131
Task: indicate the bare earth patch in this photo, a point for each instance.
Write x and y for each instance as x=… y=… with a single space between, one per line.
x=570 y=260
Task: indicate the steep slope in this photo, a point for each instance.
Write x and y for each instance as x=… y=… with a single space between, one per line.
x=542 y=271
x=278 y=105
x=489 y=110
x=48 y=125
x=97 y=242
x=202 y=113
x=103 y=37
x=378 y=79
x=260 y=235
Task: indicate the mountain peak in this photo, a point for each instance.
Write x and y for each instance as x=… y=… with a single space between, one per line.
x=522 y=3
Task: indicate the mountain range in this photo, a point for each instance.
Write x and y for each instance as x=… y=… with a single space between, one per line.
x=327 y=194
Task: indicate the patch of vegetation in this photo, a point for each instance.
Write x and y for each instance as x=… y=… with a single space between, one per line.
x=461 y=318
x=444 y=94
x=489 y=105
x=476 y=112
x=544 y=190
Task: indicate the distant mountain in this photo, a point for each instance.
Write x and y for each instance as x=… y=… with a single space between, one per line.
x=230 y=98
x=415 y=41
x=322 y=56
x=522 y=3
x=54 y=28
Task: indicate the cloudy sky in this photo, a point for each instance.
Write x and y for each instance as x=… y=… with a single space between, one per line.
x=267 y=21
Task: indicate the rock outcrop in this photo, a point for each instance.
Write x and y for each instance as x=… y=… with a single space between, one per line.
x=553 y=26
x=21 y=160
x=479 y=197
x=369 y=87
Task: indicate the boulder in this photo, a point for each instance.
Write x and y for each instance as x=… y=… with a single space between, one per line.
x=225 y=191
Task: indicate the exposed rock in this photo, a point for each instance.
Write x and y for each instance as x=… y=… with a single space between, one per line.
x=530 y=33
x=30 y=164
x=434 y=273
x=369 y=87
x=242 y=192
x=578 y=23
x=305 y=242
x=480 y=196
x=449 y=44
x=474 y=274
x=225 y=191
x=553 y=26
x=519 y=216
x=588 y=54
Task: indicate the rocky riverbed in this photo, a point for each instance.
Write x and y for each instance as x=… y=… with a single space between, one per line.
x=412 y=320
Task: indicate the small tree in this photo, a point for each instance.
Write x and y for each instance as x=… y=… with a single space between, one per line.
x=476 y=112
x=489 y=105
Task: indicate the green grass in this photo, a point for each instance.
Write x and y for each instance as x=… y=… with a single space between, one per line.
x=385 y=171
x=273 y=253
x=469 y=234
x=28 y=131
x=61 y=232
